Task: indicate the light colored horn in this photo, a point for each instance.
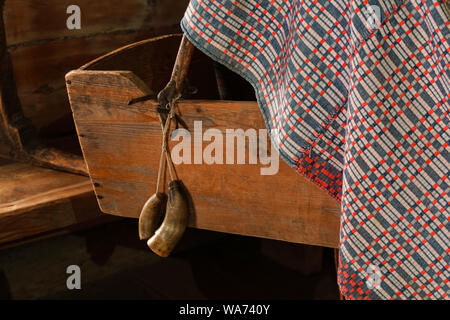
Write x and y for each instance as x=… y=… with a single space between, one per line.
x=175 y=222
x=151 y=215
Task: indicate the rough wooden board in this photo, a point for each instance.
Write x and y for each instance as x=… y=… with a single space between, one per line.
x=29 y=21
x=35 y=200
x=24 y=187
x=121 y=145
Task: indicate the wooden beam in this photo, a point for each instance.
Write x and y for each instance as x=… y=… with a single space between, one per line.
x=121 y=145
x=35 y=201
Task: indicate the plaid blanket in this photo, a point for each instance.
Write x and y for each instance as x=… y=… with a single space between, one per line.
x=356 y=96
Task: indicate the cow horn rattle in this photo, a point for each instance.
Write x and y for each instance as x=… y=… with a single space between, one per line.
x=163 y=240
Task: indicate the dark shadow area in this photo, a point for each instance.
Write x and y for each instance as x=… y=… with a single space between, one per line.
x=4 y=287
x=207 y=265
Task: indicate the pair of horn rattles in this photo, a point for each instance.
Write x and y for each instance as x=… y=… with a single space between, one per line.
x=163 y=240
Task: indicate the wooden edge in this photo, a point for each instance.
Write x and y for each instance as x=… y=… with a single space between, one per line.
x=36 y=202
x=78 y=75
x=63 y=230
x=75 y=75
x=46 y=198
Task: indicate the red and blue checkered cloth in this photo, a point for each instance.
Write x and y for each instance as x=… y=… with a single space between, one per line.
x=356 y=95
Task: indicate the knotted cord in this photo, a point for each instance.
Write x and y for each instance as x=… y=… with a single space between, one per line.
x=165 y=128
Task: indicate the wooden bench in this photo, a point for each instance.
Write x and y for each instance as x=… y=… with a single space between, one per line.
x=36 y=201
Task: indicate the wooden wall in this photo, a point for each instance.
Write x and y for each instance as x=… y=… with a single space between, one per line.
x=43 y=49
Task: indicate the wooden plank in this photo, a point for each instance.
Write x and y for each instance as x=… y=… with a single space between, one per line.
x=30 y=21
x=121 y=145
x=23 y=187
x=35 y=200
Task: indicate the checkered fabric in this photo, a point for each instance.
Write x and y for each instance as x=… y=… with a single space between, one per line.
x=356 y=96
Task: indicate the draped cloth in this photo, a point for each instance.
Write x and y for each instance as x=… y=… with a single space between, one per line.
x=356 y=96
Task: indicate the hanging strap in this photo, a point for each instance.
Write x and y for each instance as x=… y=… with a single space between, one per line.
x=165 y=128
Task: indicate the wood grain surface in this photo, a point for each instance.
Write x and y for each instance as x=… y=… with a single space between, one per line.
x=35 y=200
x=121 y=145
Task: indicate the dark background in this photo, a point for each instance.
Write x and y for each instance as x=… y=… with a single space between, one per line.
x=207 y=265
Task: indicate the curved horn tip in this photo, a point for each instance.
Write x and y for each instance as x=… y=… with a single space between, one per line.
x=158 y=248
x=175 y=222
x=151 y=215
